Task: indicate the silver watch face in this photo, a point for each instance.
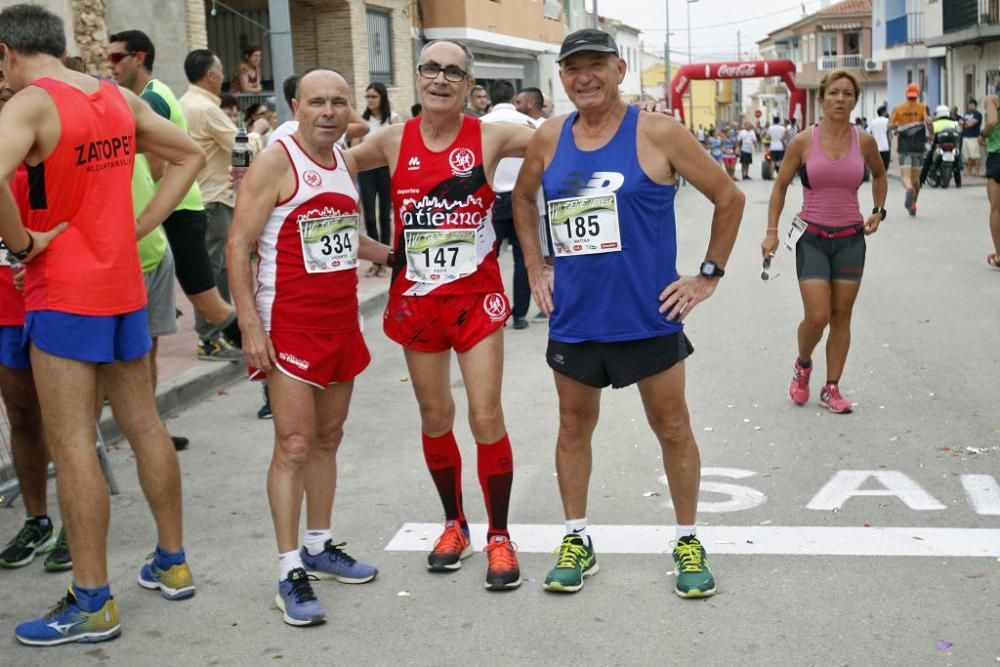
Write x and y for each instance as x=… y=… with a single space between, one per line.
x=708 y=269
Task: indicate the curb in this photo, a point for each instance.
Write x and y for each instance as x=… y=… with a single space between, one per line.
x=193 y=385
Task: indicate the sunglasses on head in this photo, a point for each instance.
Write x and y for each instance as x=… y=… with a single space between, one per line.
x=118 y=56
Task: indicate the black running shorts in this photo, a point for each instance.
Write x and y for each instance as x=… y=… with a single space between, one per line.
x=993 y=166
x=186 y=234
x=817 y=258
x=617 y=364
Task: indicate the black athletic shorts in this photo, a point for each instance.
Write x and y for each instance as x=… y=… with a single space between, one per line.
x=777 y=156
x=617 y=364
x=186 y=234
x=993 y=166
x=830 y=259
x=746 y=158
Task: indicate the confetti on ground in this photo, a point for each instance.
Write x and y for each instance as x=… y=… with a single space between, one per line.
x=709 y=429
x=403 y=594
x=405 y=378
x=942 y=646
x=650 y=494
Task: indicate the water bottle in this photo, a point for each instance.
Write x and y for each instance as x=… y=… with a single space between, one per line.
x=242 y=156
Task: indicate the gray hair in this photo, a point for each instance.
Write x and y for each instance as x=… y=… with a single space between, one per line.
x=469 y=59
x=30 y=29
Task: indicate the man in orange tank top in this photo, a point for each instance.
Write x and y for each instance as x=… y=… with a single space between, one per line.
x=430 y=312
x=85 y=299
x=299 y=206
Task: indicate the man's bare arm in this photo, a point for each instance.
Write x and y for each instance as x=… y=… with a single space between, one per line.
x=162 y=138
x=526 y=219
x=259 y=192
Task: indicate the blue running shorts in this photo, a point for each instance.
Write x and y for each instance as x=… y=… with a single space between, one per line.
x=13 y=354
x=96 y=339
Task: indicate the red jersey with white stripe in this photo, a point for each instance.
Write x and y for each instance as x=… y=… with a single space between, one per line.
x=92 y=268
x=11 y=300
x=289 y=298
x=445 y=190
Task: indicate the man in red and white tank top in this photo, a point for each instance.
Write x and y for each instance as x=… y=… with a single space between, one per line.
x=298 y=204
x=85 y=301
x=447 y=292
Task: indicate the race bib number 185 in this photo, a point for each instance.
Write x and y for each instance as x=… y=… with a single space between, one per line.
x=329 y=244
x=585 y=225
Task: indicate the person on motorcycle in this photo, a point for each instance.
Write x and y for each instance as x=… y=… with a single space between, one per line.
x=944 y=131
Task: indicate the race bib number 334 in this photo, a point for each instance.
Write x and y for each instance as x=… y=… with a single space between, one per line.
x=585 y=225
x=440 y=255
x=329 y=244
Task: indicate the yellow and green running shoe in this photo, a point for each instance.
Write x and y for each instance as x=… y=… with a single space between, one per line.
x=694 y=577
x=576 y=561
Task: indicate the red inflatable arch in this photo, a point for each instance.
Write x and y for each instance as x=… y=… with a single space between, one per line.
x=745 y=70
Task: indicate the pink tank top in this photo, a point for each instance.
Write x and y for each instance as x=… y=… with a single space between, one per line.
x=831 y=196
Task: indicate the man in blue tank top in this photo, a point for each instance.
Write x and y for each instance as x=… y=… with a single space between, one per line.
x=608 y=174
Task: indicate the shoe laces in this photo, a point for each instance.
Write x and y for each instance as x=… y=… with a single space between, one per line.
x=301 y=588
x=336 y=553
x=60 y=606
x=690 y=556
x=570 y=554
x=26 y=535
x=452 y=539
x=501 y=555
x=832 y=393
x=61 y=542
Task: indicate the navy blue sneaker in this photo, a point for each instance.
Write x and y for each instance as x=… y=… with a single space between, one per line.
x=297 y=601
x=265 y=410
x=174 y=583
x=334 y=563
x=67 y=622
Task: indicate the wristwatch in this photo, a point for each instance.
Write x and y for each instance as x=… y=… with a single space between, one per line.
x=23 y=254
x=710 y=269
x=879 y=209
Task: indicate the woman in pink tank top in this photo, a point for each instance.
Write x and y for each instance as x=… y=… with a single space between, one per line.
x=830 y=231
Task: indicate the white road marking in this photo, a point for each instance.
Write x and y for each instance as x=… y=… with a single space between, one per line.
x=847 y=483
x=740 y=497
x=983 y=493
x=744 y=540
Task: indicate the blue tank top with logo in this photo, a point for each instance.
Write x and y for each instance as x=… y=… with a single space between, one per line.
x=613 y=296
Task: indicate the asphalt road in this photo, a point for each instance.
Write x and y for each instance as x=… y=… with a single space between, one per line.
x=924 y=442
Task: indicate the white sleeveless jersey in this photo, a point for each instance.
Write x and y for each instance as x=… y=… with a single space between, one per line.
x=307 y=275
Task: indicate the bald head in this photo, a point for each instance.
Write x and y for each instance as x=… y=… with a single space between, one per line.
x=321 y=78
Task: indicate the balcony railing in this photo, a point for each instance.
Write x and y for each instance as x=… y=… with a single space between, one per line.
x=905 y=29
x=850 y=61
x=961 y=14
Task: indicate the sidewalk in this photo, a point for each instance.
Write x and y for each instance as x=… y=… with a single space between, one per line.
x=184 y=380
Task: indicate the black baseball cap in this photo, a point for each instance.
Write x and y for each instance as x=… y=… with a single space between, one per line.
x=587 y=39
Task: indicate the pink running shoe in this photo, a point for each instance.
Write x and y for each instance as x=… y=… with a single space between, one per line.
x=830 y=398
x=798 y=390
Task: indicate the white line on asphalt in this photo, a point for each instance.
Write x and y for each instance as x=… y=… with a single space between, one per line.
x=768 y=540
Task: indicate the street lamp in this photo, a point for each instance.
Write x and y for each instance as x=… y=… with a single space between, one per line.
x=691 y=89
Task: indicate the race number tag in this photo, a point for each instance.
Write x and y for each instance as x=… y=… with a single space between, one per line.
x=585 y=225
x=440 y=255
x=795 y=233
x=329 y=244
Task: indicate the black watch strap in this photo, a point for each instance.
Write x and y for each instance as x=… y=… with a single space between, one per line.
x=23 y=254
x=880 y=209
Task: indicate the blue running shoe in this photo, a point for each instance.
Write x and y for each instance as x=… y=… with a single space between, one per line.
x=334 y=563
x=174 y=583
x=67 y=622
x=297 y=601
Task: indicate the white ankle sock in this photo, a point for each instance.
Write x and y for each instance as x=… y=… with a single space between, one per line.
x=287 y=562
x=686 y=531
x=315 y=539
x=577 y=527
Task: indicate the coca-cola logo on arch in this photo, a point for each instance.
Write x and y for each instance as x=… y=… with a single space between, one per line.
x=737 y=71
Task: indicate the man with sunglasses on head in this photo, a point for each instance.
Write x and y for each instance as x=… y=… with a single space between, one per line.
x=131 y=54
x=446 y=291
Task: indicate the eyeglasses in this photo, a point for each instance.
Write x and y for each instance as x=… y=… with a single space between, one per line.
x=118 y=56
x=765 y=273
x=451 y=72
